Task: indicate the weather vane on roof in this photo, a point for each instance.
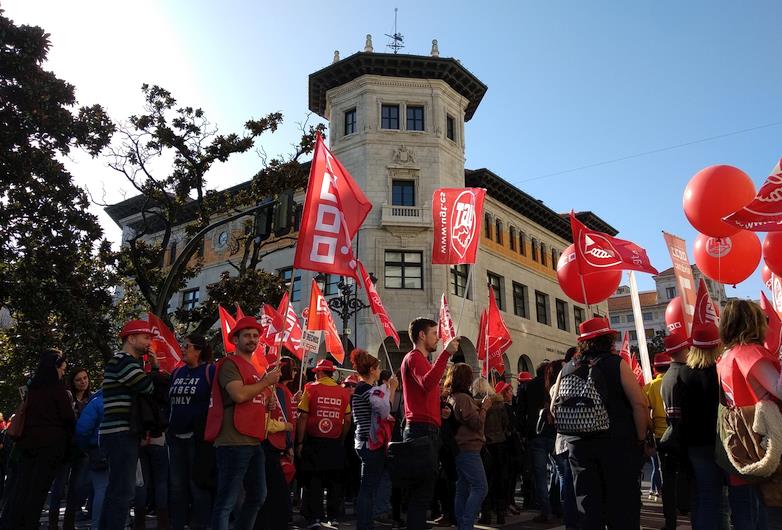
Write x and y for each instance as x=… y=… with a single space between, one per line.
x=397 y=39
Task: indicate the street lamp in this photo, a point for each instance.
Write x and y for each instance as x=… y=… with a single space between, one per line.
x=346 y=304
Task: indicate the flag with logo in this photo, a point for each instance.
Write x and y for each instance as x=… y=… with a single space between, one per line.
x=291 y=338
x=446 y=328
x=164 y=344
x=272 y=323
x=685 y=280
x=376 y=304
x=630 y=359
x=319 y=318
x=773 y=340
x=226 y=325
x=764 y=213
x=457 y=214
x=597 y=252
x=494 y=338
x=334 y=209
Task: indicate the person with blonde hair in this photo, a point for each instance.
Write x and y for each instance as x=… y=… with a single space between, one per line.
x=748 y=374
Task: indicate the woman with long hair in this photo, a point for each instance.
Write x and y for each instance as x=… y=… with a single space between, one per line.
x=748 y=373
x=471 y=486
x=44 y=442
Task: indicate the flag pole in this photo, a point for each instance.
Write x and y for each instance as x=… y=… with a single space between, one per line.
x=285 y=314
x=464 y=298
x=383 y=343
x=584 y=292
x=639 y=328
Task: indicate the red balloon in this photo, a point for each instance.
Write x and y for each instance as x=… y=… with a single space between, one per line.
x=713 y=193
x=674 y=318
x=765 y=274
x=772 y=252
x=728 y=260
x=598 y=286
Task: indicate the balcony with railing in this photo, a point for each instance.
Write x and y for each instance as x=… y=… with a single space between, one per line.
x=414 y=216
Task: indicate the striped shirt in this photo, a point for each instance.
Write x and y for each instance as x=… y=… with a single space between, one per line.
x=124 y=377
x=362 y=412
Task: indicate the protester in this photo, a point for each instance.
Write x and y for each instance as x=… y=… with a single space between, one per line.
x=541 y=435
x=371 y=438
x=445 y=488
x=748 y=373
x=87 y=428
x=323 y=423
x=496 y=458
x=421 y=392
x=514 y=449
x=653 y=393
x=236 y=422
x=382 y=391
x=525 y=426
x=471 y=487
x=351 y=478
x=189 y=392
x=564 y=474
x=44 y=442
x=606 y=455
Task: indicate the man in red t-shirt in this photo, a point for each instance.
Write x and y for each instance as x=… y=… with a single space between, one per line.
x=421 y=389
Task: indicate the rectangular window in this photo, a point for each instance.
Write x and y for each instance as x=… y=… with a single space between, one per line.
x=616 y=319
x=285 y=274
x=189 y=299
x=450 y=126
x=459 y=280
x=670 y=293
x=172 y=255
x=629 y=319
x=562 y=314
x=633 y=335
x=522 y=243
x=495 y=282
x=554 y=259
x=350 y=121
x=648 y=316
x=200 y=252
x=498 y=231
x=520 y=300
x=578 y=316
x=404 y=270
x=512 y=238
x=534 y=249
x=649 y=333
x=487 y=225
x=415 y=118
x=541 y=308
x=389 y=117
x=403 y=193
x=329 y=287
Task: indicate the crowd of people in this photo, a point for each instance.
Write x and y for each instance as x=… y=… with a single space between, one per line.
x=215 y=444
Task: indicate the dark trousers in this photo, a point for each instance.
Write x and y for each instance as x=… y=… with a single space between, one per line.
x=73 y=475
x=276 y=510
x=122 y=452
x=496 y=464
x=35 y=472
x=606 y=480
x=237 y=466
x=312 y=498
x=676 y=487
x=420 y=494
x=188 y=500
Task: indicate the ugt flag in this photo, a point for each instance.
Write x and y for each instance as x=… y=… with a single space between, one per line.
x=457 y=215
x=764 y=213
x=597 y=252
x=164 y=344
x=334 y=209
x=376 y=304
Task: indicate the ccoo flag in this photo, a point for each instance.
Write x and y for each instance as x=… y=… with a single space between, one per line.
x=376 y=304
x=319 y=318
x=457 y=215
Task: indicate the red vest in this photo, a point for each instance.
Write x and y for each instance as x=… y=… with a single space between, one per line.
x=249 y=417
x=327 y=406
x=279 y=439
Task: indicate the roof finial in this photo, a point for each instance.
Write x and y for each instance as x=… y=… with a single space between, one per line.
x=368 y=44
x=397 y=38
x=435 y=50
x=336 y=57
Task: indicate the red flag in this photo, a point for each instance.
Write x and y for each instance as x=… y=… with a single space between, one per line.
x=457 y=214
x=239 y=312
x=259 y=358
x=685 y=281
x=630 y=359
x=291 y=338
x=334 y=209
x=597 y=252
x=164 y=344
x=226 y=325
x=319 y=317
x=764 y=213
x=376 y=304
x=773 y=341
x=272 y=322
x=446 y=328
x=497 y=337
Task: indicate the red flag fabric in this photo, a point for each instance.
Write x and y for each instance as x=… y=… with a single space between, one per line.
x=164 y=345
x=457 y=214
x=764 y=213
x=259 y=358
x=495 y=335
x=706 y=320
x=446 y=328
x=376 y=304
x=291 y=338
x=239 y=312
x=319 y=317
x=334 y=209
x=773 y=340
x=226 y=325
x=638 y=371
x=598 y=252
x=272 y=322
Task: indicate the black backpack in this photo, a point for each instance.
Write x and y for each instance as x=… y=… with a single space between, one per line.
x=579 y=407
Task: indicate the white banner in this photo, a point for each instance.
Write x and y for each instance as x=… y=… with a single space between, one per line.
x=639 y=329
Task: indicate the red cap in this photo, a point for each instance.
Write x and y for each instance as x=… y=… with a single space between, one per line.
x=135 y=327
x=501 y=387
x=594 y=327
x=244 y=323
x=661 y=359
x=675 y=343
x=352 y=379
x=524 y=377
x=705 y=333
x=324 y=365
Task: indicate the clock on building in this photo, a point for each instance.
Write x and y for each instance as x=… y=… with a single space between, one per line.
x=222 y=239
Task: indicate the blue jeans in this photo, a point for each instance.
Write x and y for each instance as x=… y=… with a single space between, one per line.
x=746 y=508
x=100 y=481
x=184 y=493
x=122 y=451
x=657 y=476
x=154 y=469
x=567 y=493
x=542 y=449
x=383 y=496
x=709 y=479
x=372 y=465
x=420 y=495
x=471 y=488
x=237 y=465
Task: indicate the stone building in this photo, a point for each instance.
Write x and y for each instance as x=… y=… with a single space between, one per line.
x=397 y=123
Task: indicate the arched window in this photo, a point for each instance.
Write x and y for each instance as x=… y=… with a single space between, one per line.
x=512 y=237
x=498 y=230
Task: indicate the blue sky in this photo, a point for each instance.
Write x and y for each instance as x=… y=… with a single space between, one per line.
x=571 y=84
